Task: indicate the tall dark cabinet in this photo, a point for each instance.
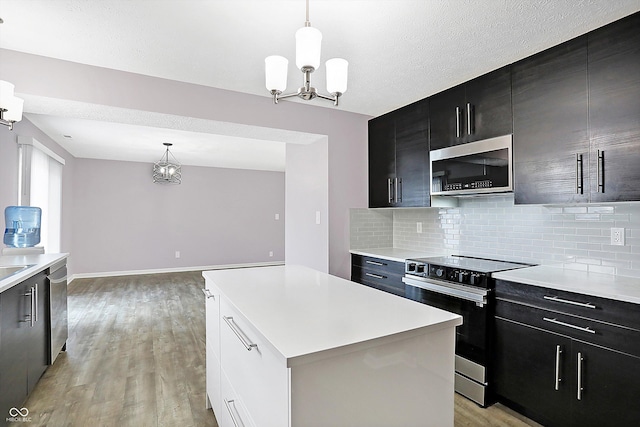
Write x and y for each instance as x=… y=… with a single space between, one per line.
x=614 y=110
x=576 y=119
x=399 y=157
x=24 y=349
x=475 y=110
x=550 y=125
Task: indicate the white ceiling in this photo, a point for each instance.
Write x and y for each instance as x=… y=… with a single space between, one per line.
x=399 y=51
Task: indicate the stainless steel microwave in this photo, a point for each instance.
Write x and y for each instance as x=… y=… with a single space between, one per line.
x=473 y=168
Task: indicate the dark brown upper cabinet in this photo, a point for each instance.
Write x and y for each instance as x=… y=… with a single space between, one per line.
x=614 y=110
x=399 y=158
x=576 y=119
x=550 y=125
x=475 y=110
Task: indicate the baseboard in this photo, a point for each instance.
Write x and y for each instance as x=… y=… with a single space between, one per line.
x=170 y=270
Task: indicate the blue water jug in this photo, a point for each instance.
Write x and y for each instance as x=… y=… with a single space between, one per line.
x=22 y=226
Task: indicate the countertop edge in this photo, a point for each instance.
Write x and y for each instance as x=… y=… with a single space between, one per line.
x=395 y=254
x=40 y=262
x=619 y=288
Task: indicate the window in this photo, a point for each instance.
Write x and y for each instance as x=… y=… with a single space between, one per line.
x=40 y=184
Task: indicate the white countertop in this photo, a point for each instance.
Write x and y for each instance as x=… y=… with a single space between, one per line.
x=39 y=262
x=306 y=314
x=619 y=288
x=396 y=254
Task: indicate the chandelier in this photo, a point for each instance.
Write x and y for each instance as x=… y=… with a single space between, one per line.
x=10 y=105
x=308 y=42
x=166 y=171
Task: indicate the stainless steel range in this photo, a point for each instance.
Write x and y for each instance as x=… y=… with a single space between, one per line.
x=462 y=285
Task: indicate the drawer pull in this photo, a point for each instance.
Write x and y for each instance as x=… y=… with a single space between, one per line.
x=228 y=403
x=566 y=301
x=376 y=276
x=569 y=325
x=375 y=262
x=248 y=345
x=208 y=294
x=558 y=354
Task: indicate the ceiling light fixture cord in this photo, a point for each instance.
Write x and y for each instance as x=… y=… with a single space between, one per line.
x=308 y=43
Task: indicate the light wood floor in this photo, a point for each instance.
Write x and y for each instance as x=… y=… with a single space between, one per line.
x=136 y=357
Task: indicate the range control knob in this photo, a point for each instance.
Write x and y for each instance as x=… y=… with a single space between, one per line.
x=439 y=271
x=463 y=276
x=476 y=279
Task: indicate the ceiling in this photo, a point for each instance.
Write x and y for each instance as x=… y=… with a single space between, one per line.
x=399 y=51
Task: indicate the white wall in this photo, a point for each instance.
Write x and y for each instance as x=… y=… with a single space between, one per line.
x=124 y=222
x=307 y=184
x=346 y=132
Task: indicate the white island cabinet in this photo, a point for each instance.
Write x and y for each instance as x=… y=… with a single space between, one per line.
x=291 y=346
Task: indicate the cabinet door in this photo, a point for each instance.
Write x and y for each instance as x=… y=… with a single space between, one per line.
x=37 y=352
x=446 y=118
x=614 y=110
x=610 y=383
x=488 y=106
x=382 y=162
x=15 y=308
x=550 y=125
x=412 y=154
x=525 y=372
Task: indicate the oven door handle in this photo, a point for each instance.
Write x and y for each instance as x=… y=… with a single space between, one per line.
x=480 y=298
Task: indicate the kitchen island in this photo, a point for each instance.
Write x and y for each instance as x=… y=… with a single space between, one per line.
x=291 y=346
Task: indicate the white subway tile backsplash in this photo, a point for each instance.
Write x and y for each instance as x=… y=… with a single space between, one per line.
x=577 y=237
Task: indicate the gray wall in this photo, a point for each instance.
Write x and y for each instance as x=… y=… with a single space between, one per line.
x=346 y=132
x=576 y=236
x=123 y=221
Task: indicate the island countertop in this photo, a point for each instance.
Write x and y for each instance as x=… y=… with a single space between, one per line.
x=306 y=314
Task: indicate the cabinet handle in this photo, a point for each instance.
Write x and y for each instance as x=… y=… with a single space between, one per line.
x=375 y=262
x=558 y=354
x=579 y=169
x=569 y=325
x=208 y=294
x=248 y=345
x=398 y=190
x=600 y=171
x=228 y=403
x=390 y=190
x=566 y=301
x=580 y=389
x=376 y=276
x=30 y=293
x=35 y=301
x=457 y=122
x=470 y=121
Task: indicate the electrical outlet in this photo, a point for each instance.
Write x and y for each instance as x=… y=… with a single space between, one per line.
x=617 y=236
x=418 y=227
x=270 y=253
x=177 y=254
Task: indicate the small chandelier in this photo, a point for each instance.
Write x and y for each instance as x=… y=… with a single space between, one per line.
x=10 y=105
x=308 y=42
x=166 y=171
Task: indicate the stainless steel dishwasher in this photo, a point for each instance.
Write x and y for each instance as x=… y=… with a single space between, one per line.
x=57 y=280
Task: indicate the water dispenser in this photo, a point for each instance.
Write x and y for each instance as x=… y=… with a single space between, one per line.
x=22 y=226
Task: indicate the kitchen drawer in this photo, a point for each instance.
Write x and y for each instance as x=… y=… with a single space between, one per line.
x=377 y=264
x=259 y=376
x=233 y=412
x=378 y=279
x=579 y=328
x=590 y=307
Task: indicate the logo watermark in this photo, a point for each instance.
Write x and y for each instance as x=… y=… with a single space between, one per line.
x=18 y=415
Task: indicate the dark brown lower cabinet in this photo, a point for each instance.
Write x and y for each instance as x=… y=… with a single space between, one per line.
x=563 y=369
x=24 y=344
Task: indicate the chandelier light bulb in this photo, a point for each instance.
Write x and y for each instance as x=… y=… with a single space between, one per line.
x=275 y=71
x=337 y=70
x=308 y=43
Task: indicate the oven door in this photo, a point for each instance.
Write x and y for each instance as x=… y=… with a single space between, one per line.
x=470 y=303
